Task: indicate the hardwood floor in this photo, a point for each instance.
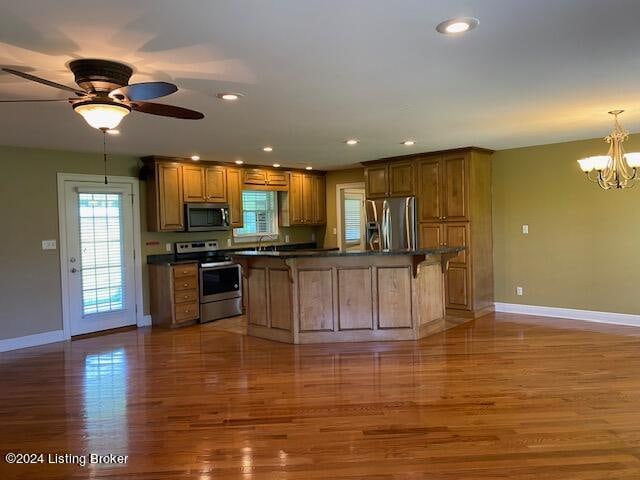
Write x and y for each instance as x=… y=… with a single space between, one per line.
x=504 y=397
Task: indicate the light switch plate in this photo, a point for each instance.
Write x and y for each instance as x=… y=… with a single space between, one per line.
x=519 y=291
x=49 y=245
x=228 y=242
x=168 y=247
x=286 y=238
x=313 y=237
x=525 y=229
x=335 y=231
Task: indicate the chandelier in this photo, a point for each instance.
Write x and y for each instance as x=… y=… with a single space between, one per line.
x=616 y=169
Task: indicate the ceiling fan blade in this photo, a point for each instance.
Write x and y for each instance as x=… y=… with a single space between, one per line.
x=49 y=83
x=35 y=100
x=143 y=91
x=166 y=110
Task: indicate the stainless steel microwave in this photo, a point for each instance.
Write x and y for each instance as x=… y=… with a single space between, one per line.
x=206 y=217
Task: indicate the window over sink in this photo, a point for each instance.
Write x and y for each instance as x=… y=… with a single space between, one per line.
x=260 y=215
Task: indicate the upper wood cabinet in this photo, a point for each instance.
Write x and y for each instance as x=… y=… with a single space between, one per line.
x=234 y=196
x=393 y=179
x=165 y=211
x=443 y=188
x=216 y=184
x=305 y=202
x=267 y=179
x=193 y=183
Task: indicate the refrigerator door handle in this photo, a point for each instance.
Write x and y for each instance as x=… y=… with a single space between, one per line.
x=386 y=230
x=408 y=223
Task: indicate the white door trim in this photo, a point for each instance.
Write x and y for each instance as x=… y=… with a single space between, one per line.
x=339 y=188
x=62 y=218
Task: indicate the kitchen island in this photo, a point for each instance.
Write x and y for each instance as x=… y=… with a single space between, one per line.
x=345 y=296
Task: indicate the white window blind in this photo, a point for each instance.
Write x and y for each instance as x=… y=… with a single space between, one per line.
x=102 y=253
x=352 y=219
x=259 y=212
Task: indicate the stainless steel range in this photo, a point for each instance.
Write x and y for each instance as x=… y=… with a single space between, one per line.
x=220 y=279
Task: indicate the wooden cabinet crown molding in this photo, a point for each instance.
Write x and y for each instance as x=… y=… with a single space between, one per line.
x=412 y=156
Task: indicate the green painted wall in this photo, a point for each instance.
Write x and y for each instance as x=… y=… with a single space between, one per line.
x=583 y=247
x=30 y=290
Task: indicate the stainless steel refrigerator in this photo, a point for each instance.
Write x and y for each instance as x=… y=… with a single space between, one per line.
x=391 y=224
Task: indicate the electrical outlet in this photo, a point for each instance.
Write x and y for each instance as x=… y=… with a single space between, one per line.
x=519 y=291
x=335 y=231
x=286 y=238
x=49 y=244
x=168 y=247
x=525 y=229
x=313 y=237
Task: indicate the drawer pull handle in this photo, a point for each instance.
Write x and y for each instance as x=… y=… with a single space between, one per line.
x=185 y=284
x=186 y=296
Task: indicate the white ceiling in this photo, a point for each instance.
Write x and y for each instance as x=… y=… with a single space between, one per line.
x=316 y=72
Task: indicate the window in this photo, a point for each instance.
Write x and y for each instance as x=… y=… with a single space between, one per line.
x=260 y=214
x=352 y=218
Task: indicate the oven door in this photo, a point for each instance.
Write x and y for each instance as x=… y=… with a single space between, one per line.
x=220 y=282
x=205 y=217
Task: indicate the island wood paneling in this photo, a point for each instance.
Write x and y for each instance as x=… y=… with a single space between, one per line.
x=257 y=291
x=316 y=300
x=280 y=299
x=394 y=297
x=355 y=303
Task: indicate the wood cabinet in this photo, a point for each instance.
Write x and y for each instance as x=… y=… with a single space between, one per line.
x=392 y=179
x=453 y=196
x=215 y=184
x=165 y=211
x=193 y=183
x=305 y=202
x=268 y=179
x=173 y=291
x=234 y=196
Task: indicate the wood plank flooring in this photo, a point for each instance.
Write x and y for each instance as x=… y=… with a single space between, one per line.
x=504 y=397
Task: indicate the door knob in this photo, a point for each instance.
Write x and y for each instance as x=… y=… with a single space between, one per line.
x=74 y=270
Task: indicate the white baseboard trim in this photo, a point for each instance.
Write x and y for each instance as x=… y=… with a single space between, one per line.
x=571 y=313
x=144 y=321
x=31 y=340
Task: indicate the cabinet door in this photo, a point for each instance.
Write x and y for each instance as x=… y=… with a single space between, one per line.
x=457 y=235
x=377 y=181
x=319 y=201
x=171 y=210
x=216 y=184
x=277 y=179
x=307 y=198
x=455 y=188
x=234 y=196
x=193 y=183
x=296 y=215
x=401 y=179
x=429 y=190
x=457 y=287
x=431 y=235
x=254 y=176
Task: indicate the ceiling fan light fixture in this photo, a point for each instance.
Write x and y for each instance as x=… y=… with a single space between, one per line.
x=100 y=115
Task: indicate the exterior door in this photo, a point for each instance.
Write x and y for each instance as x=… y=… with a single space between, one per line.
x=100 y=257
x=353 y=219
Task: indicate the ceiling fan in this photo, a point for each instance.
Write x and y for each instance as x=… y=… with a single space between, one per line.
x=105 y=96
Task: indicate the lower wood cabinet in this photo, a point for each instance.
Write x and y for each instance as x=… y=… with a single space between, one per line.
x=173 y=293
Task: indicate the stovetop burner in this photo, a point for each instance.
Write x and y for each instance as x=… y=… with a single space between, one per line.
x=203 y=251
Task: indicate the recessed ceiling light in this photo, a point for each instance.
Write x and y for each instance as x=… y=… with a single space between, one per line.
x=229 y=96
x=239 y=162
x=409 y=143
x=113 y=131
x=195 y=158
x=308 y=168
x=457 y=25
x=267 y=149
x=276 y=165
x=352 y=141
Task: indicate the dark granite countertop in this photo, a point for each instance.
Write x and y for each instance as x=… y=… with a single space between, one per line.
x=172 y=259
x=342 y=253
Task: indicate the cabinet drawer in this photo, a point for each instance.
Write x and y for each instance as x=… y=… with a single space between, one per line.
x=187 y=311
x=184 y=296
x=190 y=270
x=185 y=283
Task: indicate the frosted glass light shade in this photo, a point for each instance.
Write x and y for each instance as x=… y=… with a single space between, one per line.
x=598 y=162
x=633 y=159
x=102 y=115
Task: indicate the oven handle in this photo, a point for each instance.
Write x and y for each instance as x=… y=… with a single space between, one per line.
x=215 y=265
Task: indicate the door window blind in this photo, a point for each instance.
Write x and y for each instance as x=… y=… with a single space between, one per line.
x=101 y=252
x=352 y=219
x=259 y=212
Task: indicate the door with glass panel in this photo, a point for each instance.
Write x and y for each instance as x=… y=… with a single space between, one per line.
x=100 y=257
x=353 y=219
